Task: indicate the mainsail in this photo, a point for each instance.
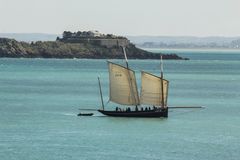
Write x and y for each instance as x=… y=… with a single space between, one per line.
x=151 y=91
x=123 y=86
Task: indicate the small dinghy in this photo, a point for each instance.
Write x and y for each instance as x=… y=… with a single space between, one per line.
x=85 y=114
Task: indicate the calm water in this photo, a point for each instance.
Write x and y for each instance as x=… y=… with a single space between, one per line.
x=40 y=98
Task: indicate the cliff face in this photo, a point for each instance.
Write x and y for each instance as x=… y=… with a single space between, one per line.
x=12 y=48
x=58 y=49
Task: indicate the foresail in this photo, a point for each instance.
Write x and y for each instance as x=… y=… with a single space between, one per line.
x=123 y=86
x=151 y=90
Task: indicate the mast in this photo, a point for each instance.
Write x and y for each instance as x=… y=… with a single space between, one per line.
x=130 y=80
x=100 y=90
x=162 y=82
x=125 y=55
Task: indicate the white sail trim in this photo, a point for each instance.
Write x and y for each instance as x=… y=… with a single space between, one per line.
x=151 y=90
x=123 y=86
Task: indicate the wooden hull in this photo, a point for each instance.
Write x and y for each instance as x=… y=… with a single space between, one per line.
x=151 y=113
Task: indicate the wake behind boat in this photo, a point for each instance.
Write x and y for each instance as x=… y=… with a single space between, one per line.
x=123 y=90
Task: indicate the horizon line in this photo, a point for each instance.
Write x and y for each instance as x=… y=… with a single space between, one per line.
x=144 y=35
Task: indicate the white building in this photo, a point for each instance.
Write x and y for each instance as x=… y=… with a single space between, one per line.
x=95 y=33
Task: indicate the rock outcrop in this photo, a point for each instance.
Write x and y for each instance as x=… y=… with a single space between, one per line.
x=59 y=49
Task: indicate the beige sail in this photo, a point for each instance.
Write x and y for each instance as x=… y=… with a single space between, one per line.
x=151 y=91
x=123 y=87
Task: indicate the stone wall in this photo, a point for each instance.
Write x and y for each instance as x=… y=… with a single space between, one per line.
x=107 y=42
x=114 y=42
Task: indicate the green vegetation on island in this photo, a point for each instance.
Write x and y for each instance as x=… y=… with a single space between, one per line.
x=77 y=45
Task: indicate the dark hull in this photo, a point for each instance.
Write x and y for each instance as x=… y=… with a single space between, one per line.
x=151 y=113
x=85 y=114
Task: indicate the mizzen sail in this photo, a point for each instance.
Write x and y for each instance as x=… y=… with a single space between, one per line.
x=151 y=91
x=123 y=86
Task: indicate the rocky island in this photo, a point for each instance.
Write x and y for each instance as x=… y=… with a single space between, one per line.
x=87 y=44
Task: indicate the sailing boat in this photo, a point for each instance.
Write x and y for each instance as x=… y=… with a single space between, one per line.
x=123 y=90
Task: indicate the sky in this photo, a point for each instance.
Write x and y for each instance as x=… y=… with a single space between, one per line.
x=122 y=17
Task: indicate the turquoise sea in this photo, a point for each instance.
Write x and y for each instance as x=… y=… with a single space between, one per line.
x=40 y=98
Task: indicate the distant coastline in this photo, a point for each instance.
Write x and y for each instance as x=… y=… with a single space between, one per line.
x=86 y=44
x=185 y=42
x=165 y=42
x=202 y=49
